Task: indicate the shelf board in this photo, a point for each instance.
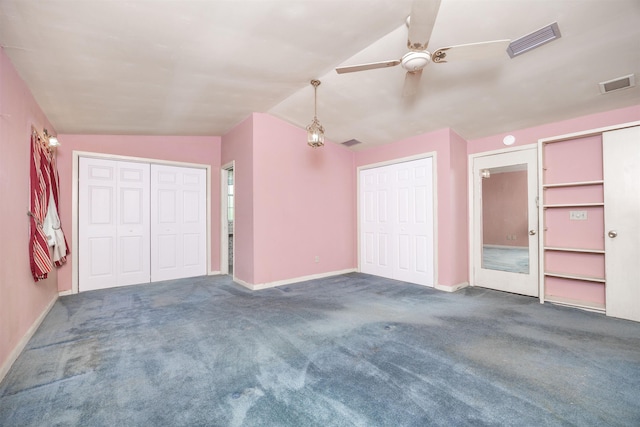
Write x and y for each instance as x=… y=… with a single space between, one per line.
x=573 y=205
x=562 y=249
x=575 y=277
x=586 y=305
x=573 y=184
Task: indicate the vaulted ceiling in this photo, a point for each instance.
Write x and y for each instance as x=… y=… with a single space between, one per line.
x=183 y=67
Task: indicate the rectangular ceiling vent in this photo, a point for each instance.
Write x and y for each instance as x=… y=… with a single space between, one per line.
x=351 y=143
x=534 y=40
x=617 y=84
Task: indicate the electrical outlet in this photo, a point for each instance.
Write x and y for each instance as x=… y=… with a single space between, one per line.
x=317 y=258
x=577 y=215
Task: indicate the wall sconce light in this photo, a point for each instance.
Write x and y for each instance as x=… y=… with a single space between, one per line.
x=315 y=131
x=52 y=141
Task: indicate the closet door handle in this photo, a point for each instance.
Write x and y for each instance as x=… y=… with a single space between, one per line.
x=613 y=233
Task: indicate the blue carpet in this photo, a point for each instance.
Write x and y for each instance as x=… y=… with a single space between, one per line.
x=352 y=350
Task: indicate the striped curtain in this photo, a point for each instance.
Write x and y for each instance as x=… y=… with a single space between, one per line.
x=44 y=184
x=40 y=187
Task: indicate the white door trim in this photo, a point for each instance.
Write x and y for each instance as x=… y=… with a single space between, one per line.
x=224 y=224
x=433 y=156
x=75 y=162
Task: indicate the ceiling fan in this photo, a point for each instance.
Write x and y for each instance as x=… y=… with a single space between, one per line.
x=420 y=23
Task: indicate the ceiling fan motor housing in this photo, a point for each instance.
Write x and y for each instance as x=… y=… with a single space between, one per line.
x=415 y=61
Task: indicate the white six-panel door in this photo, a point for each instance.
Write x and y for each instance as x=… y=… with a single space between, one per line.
x=178 y=222
x=113 y=221
x=396 y=221
x=133 y=229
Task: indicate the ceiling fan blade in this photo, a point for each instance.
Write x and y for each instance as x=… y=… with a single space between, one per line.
x=411 y=83
x=421 y=22
x=482 y=50
x=369 y=66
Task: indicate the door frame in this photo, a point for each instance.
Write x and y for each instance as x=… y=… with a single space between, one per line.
x=434 y=171
x=471 y=204
x=75 y=162
x=224 y=224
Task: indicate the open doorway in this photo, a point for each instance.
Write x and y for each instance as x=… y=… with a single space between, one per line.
x=227 y=204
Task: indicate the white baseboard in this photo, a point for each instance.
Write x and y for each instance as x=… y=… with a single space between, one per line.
x=67 y=292
x=259 y=286
x=452 y=288
x=6 y=365
x=213 y=273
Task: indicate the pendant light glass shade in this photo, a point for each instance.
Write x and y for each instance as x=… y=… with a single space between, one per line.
x=315 y=131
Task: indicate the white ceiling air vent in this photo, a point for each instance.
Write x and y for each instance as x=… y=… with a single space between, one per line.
x=351 y=143
x=617 y=84
x=534 y=40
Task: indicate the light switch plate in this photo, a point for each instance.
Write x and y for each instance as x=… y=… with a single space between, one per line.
x=578 y=215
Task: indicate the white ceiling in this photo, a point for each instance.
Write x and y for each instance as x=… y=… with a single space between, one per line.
x=186 y=67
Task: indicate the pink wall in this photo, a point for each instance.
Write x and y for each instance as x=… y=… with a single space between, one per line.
x=188 y=149
x=22 y=300
x=458 y=269
x=237 y=146
x=505 y=209
x=451 y=167
x=532 y=134
x=304 y=204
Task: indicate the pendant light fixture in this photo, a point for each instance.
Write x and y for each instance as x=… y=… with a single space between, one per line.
x=315 y=131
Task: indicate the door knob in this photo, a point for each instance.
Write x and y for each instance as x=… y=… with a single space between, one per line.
x=613 y=233
x=532 y=232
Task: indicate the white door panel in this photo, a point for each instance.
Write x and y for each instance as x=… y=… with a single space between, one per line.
x=116 y=245
x=113 y=223
x=133 y=246
x=396 y=221
x=178 y=222
x=621 y=156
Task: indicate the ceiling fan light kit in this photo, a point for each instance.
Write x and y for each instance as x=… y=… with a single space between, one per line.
x=420 y=24
x=414 y=61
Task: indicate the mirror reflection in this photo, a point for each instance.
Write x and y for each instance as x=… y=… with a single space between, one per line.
x=505 y=238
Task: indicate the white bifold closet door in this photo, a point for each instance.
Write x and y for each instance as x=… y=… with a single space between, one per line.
x=396 y=221
x=178 y=222
x=113 y=222
x=139 y=223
